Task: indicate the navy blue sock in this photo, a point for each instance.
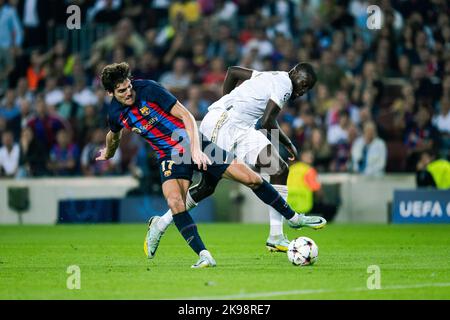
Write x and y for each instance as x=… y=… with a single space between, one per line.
x=188 y=230
x=270 y=196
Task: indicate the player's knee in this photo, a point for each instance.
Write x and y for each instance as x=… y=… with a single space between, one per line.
x=253 y=180
x=176 y=203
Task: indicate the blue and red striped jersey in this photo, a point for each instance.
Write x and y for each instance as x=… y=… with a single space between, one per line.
x=150 y=117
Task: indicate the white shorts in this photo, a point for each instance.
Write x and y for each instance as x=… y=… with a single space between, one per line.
x=245 y=142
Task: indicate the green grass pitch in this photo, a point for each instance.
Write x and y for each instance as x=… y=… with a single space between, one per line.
x=414 y=262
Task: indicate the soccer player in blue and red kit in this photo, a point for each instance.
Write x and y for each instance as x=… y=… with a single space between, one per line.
x=146 y=108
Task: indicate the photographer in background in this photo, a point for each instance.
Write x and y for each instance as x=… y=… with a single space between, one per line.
x=305 y=191
x=432 y=172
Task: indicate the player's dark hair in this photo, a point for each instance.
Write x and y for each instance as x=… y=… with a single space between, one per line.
x=309 y=70
x=114 y=74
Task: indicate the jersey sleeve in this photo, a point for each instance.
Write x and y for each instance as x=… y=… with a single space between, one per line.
x=281 y=90
x=115 y=125
x=156 y=93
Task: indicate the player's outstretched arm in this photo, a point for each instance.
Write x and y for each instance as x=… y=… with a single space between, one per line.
x=269 y=122
x=112 y=143
x=199 y=158
x=234 y=75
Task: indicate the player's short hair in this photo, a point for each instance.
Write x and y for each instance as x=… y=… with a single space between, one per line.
x=309 y=70
x=113 y=74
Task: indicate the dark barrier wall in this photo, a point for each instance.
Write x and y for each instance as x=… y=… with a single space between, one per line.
x=88 y=211
x=127 y=210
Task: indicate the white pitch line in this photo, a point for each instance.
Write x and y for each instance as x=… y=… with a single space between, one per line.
x=312 y=291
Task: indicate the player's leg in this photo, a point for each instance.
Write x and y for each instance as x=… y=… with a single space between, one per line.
x=196 y=193
x=257 y=151
x=268 y=158
x=174 y=191
x=176 y=179
x=240 y=172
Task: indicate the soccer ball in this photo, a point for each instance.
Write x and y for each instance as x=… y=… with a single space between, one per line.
x=302 y=251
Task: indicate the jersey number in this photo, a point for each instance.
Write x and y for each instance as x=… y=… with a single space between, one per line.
x=167 y=171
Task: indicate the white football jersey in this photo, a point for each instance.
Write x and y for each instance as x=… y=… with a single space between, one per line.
x=247 y=102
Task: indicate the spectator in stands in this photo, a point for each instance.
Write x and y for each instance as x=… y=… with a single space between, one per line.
x=423 y=88
x=225 y=10
x=304 y=189
x=304 y=124
x=53 y=94
x=218 y=38
x=10 y=111
x=446 y=84
x=22 y=91
x=3 y=128
x=64 y=155
x=199 y=58
x=83 y=94
x=339 y=132
x=442 y=123
x=329 y=73
x=26 y=113
x=195 y=103
x=89 y=166
x=320 y=149
x=260 y=43
x=369 y=80
x=340 y=137
x=108 y=13
x=33 y=155
x=323 y=100
x=404 y=67
x=35 y=71
x=148 y=66
x=214 y=78
x=9 y=156
x=279 y=17
x=420 y=135
x=11 y=37
x=179 y=77
x=68 y=108
x=189 y=10
x=45 y=126
x=34 y=16
x=369 y=152
x=342 y=102
x=124 y=36
x=91 y=120
x=432 y=172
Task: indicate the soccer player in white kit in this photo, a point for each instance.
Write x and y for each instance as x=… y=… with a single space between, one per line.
x=231 y=124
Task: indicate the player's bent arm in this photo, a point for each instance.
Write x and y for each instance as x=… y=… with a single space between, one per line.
x=180 y=111
x=269 y=122
x=234 y=75
x=112 y=143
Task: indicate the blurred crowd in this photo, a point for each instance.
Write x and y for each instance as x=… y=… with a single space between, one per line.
x=382 y=96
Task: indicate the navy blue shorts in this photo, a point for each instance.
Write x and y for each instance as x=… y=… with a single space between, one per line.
x=183 y=167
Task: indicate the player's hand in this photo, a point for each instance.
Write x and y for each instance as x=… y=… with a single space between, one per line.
x=102 y=155
x=200 y=159
x=293 y=152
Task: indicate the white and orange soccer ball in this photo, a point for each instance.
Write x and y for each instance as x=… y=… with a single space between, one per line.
x=303 y=251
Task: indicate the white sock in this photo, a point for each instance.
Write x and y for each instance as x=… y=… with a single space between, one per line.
x=166 y=219
x=276 y=219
